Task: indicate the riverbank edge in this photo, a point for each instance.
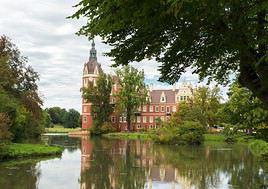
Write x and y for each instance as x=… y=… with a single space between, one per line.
x=62 y=130
x=258 y=147
x=147 y=136
x=18 y=150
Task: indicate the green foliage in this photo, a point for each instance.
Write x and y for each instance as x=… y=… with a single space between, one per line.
x=71 y=119
x=99 y=96
x=5 y=134
x=57 y=115
x=262 y=131
x=60 y=116
x=15 y=150
x=107 y=127
x=19 y=99
x=202 y=108
x=46 y=120
x=215 y=38
x=243 y=109
x=133 y=91
x=187 y=132
x=259 y=148
x=229 y=134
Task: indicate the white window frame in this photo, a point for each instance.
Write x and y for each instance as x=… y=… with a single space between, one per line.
x=138 y=119
x=151 y=108
x=162 y=108
x=151 y=119
x=156 y=108
x=144 y=119
x=174 y=108
x=144 y=108
x=167 y=109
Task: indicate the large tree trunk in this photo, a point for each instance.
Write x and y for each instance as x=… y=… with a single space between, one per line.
x=254 y=76
x=128 y=120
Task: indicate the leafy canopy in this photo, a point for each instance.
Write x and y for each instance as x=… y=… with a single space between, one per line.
x=132 y=93
x=214 y=38
x=99 y=96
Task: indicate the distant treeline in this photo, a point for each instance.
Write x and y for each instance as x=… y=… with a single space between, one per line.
x=60 y=116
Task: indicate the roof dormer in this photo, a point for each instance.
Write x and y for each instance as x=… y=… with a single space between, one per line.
x=163 y=97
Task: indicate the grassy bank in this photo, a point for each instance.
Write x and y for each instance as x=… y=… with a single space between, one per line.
x=61 y=129
x=259 y=148
x=16 y=150
x=130 y=136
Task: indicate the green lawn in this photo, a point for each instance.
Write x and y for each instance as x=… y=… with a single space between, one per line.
x=15 y=150
x=61 y=129
x=213 y=138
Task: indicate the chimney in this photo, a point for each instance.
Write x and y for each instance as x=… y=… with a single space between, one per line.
x=174 y=87
x=151 y=87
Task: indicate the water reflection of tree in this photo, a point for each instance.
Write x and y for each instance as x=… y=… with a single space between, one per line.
x=113 y=166
x=204 y=167
x=135 y=164
x=25 y=176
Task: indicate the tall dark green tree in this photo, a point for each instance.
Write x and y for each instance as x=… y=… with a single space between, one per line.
x=214 y=38
x=71 y=119
x=99 y=97
x=133 y=91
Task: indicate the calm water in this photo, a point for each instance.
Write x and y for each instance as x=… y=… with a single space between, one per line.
x=119 y=164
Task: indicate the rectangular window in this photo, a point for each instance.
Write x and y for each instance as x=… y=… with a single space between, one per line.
x=156 y=108
x=138 y=119
x=124 y=119
x=184 y=98
x=84 y=119
x=113 y=119
x=85 y=109
x=162 y=108
x=144 y=119
x=151 y=108
x=120 y=119
x=168 y=110
x=181 y=98
x=138 y=126
x=174 y=109
x=151 y=120
x=144 y=108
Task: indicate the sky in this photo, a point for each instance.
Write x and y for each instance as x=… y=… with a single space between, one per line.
x=41 y=31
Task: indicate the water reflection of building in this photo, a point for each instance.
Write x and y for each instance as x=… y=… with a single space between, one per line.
x=86 y=156
x=123 y=159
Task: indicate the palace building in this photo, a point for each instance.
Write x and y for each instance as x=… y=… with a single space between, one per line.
x=162 y=103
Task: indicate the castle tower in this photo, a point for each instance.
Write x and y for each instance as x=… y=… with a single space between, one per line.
x=91 y=72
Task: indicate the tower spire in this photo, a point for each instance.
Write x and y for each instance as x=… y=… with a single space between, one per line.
x=93 y=51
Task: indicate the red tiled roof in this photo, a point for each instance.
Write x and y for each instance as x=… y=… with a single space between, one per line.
x=170 y=95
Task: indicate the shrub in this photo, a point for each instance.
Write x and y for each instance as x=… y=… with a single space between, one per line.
x=187 y=132
x=229 y=134
x=262 y=132
x=107 y=127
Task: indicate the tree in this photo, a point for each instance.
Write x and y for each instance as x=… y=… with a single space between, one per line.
x=19 y=99
x=5 y=134
x=133 y=91
x=71 y=119
x=99 y=97
x=57 y=115
x=214 y=38
x=243 y=109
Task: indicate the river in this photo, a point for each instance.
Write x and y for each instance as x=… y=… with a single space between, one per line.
x=120 y=164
